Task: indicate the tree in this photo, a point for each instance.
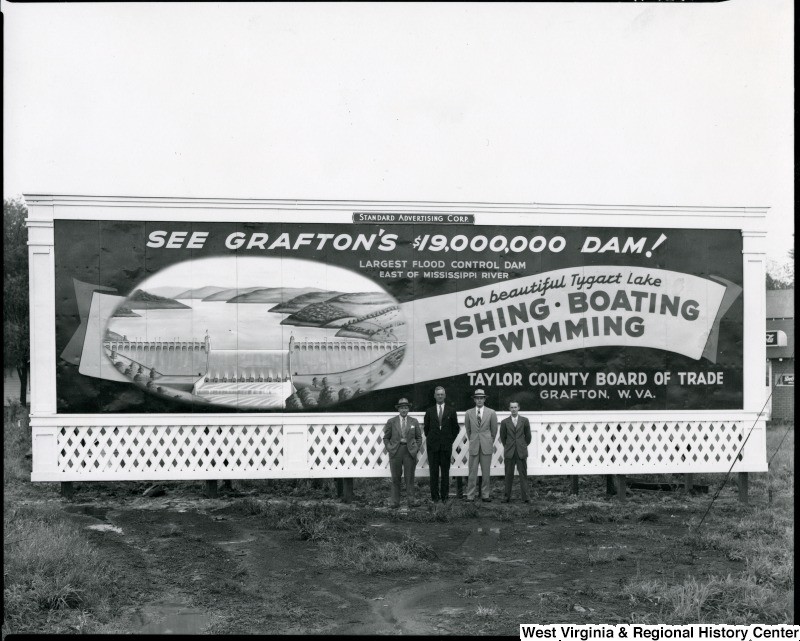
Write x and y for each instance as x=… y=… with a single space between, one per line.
x=776 y=282
x=780 y=275
x=328 y=396
x=294 y=402
x=16 y=323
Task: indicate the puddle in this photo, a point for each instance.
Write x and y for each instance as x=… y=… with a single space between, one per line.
x=494 y=531
x=94 y=511
x=482 y=541
x=105 y=527
x=240 y=542
x=173 y=618
x=495 y=559
x=450 y=611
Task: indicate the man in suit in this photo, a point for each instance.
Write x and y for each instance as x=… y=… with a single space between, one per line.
x=441 y=428
x=515 y=435
x=402 y=437
x=481 y=425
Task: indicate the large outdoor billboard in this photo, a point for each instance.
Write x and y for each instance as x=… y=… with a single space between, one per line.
x=349 y=316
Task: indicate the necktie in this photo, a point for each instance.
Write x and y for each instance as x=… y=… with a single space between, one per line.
x=479 y=417
x=440 y=414
x=403 y=427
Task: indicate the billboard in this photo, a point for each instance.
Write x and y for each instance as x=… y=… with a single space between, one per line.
x=347 y=317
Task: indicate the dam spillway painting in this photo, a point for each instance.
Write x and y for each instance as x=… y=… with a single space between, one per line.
x=256 y=333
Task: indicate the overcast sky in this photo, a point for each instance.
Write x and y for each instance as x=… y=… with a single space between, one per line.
x=661 y=104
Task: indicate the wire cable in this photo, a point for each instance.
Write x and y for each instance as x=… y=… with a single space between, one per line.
x=736 y=457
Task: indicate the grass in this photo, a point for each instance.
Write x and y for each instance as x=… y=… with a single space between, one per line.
x=370 y=556
x=311 y=521
x=735 y=600
x=16 y=444
x=343 y=542
x=761 y=537
x=55 y=580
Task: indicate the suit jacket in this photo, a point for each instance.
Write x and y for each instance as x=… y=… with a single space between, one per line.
x=440 y=437
x=392 y=435
x=481 y=437
x=515 y=440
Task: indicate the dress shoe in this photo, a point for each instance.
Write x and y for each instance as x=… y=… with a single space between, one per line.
x=487 y=500
x=394 y=506
x=470 y=500
x=527 y=500
x=506 y=500
x=413 y=504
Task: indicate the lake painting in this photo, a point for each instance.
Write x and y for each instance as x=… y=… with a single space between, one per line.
x=261 y=333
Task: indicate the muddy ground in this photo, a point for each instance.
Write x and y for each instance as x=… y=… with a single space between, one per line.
x=202 y=565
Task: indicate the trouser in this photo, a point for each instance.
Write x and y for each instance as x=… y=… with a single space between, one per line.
x=402 y=463
x=522 y=467
x=439 y=461
x=461 y=481
x=485 y=461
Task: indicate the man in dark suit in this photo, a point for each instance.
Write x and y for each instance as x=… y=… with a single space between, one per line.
x=402 y=437
x=441 y=428
x=515 y=435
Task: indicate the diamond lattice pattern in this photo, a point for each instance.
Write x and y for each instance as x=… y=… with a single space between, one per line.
x=175 y=448
x=573 y=445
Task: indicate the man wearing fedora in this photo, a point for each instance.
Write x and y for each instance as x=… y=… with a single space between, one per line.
x=481 y=425
x=402 y=437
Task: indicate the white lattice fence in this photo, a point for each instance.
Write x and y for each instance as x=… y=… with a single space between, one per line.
x=360 y=447
x=640 y=446
x=353 y=448
x=346 y=447
x=169 y=449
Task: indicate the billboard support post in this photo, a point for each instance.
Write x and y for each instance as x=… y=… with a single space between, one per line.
x=743 y=487
x=573 y=484
x=621 y=487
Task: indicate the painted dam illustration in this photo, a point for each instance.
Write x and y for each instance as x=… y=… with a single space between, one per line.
x=297 y=346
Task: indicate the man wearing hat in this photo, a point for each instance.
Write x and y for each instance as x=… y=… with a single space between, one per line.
x=481 y=425
x=402 y=437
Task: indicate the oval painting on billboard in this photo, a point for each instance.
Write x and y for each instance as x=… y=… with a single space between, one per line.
x=261 y=333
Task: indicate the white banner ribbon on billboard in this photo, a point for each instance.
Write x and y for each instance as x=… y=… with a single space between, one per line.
x=558 y=311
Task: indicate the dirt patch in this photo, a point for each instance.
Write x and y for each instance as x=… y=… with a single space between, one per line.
x=221 y=566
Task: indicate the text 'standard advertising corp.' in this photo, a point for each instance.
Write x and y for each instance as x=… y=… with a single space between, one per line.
x=347 y=317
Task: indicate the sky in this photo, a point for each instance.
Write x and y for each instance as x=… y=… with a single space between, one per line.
x=258 y=271
x=608 y=103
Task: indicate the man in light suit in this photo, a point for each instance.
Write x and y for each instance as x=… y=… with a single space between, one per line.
x=402 y=437
x=515 y=435
x=441 y=429
x=481 y=425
